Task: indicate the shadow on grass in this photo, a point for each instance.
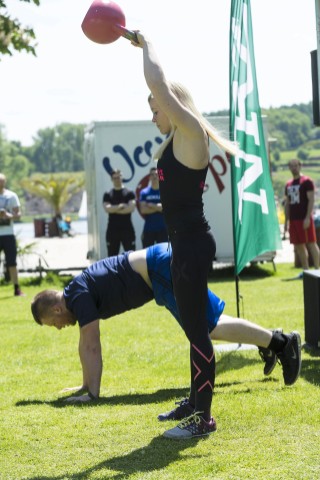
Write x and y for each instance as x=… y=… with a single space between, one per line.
x=128 y=399
x=9 y=297
x=234 y=360
x=310 y=371
x=227 y=361
x=252 y=272
x=159 y=396
x=157 y=455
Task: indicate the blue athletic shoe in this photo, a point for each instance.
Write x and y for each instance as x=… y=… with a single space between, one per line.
x=183 y=410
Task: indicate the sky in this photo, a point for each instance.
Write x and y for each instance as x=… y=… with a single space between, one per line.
x=75 y=80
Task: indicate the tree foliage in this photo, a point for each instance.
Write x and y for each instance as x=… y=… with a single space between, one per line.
x=58 y=149
x=13 y=163
x=290 y=126
x=13 y=35
x=56 y=190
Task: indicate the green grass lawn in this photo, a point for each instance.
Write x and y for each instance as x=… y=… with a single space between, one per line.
x=265 y=430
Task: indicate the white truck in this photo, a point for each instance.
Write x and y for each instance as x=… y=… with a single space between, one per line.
x=129 y=146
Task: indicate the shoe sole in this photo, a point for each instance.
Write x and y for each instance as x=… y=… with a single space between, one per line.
x=174 y=437
x=271 y=367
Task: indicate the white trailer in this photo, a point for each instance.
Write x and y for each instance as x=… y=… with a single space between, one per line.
x=129 y=146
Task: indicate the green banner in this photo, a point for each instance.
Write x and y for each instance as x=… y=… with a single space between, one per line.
x=255 y=223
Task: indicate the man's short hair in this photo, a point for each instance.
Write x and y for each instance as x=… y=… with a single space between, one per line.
x=294 y=160
x=41 y=304
x=116 y=172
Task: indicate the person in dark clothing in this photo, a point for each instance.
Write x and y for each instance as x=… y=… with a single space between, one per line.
x=183 y=160
x=119 y=203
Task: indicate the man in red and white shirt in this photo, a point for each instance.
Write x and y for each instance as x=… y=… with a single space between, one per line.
x=299 y=203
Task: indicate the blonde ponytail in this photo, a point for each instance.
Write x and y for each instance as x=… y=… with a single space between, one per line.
x=183 y=95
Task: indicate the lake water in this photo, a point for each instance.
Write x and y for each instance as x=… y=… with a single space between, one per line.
x=26 y=230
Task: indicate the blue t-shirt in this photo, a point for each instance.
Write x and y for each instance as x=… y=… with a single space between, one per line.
x=154 y=222
x=158 y=262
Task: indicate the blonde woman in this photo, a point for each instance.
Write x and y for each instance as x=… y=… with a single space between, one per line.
x=182 y=168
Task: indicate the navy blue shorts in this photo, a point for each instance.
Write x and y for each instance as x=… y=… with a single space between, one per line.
x=9 y=245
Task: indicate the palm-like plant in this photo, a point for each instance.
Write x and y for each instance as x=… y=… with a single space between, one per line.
x=56 y=190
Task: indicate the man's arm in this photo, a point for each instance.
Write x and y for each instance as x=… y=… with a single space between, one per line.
x=286 y=213
x=91 y=362
x=125 y=208
x=306 y=221
x=147 y=208
x=120 y=208
x=15 y=215
x=91 y=357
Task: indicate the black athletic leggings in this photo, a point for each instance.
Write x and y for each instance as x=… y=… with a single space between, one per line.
x=192 y=257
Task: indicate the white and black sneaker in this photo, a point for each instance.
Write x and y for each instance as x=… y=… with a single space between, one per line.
x=290 y=358
x=190 y=427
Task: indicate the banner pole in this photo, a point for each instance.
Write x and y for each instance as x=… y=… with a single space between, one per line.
x=237 y=296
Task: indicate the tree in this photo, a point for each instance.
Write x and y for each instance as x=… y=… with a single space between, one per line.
x=14 y=36
x=13 y=163
x=294 y=124
x=56 y=190
x=58 y=149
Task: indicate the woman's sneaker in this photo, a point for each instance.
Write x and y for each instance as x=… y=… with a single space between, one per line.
x=193 y=426
x=183 y=410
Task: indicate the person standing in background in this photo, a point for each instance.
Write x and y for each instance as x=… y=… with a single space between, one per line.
x=119 y=203
x=299 y=204
x=154 y=230
x=9 y=211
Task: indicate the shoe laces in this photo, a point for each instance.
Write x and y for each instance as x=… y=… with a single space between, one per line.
x=193 y=418
x=184 y=401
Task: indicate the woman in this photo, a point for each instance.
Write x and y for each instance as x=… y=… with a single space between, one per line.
x=182 y=167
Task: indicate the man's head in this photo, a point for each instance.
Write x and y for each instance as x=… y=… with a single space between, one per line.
x=295 y=167
x=116 y=178
x=48 y=308
x=154 y=179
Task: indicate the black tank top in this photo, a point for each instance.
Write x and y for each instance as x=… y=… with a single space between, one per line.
x=181 y=190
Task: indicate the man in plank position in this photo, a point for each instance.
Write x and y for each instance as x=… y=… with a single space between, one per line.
x=117 y=284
